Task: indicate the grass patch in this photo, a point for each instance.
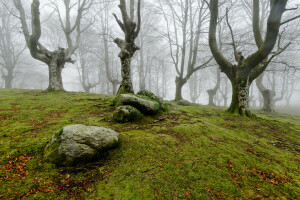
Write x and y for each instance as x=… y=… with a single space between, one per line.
x=194 y=152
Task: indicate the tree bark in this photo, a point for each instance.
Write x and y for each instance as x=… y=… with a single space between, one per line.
x=240 y=97
x=127 y=46
x=126 y=84
x=268 y=95
x=179 y=84
x=211 y=94
x=55 y=77
x=8 y=79
x=247 y=69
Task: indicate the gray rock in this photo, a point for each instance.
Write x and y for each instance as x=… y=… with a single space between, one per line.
x=148 y=107
x=76 y=144
x=125 y=114
x=152 y=96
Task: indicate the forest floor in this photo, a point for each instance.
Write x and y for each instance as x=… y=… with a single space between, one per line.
x=195 y=152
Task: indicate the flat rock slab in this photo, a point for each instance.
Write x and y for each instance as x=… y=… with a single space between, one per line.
x=76 y=144
x=148 y=107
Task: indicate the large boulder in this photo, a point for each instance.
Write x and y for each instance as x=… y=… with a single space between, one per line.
x=146 y=106
x=125 y=114
x=76 y=144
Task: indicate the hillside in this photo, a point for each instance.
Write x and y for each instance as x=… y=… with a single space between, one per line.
x=195 y=152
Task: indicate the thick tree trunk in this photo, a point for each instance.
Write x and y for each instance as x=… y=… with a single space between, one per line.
x=179 y=84
x=115 y=84
x=240 y=98
x=126 y=84
x=211 y=94
x=8 y=79
x=268 y=95
x=55 y=78
x=225 y=100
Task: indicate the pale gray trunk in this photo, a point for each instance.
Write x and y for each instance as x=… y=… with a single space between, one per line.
x=55 y=78
x=179 y=84
x=211 y=94
x=8 y=79
x=142 y=78
x=268 y=95
x=126 y=85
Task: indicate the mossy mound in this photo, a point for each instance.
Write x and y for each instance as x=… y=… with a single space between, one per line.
x=125 y=114
x=184 y=103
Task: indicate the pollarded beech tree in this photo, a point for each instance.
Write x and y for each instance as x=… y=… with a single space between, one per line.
x=57 y=59
x=247 y=69
x=127 y=46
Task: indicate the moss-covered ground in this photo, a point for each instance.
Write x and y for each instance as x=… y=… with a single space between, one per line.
x=194 y=152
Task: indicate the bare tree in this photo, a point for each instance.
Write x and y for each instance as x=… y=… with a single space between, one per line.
x=87 y=59
x=10 y=48
x=57 y=59
x=105 y=32
x=224 y=90
x=196 y=84
x=247 y=69
x=127 y=46
x=184 y=42
x=212 y=92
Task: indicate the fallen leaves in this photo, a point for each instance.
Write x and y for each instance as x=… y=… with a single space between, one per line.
x=271 y=177
x=15 y=168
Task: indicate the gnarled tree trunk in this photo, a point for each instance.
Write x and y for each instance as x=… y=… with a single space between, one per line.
x=211 y=93
x=240 y=97
x=179 y=85
x=127 y=46
x=268 y=95
x=55 y=77
x=247 y=69
x=126 y=84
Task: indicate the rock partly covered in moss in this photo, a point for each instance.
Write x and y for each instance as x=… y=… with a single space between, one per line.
x=125 y=114
x=144 y=105
x=184 y=103
x=76 y=144
x=147 y=93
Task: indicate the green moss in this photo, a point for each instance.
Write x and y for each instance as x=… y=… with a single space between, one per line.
x=193 y=152
x=125 y=114
x=51 y=152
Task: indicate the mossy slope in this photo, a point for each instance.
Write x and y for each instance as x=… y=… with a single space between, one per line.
x=195 y=152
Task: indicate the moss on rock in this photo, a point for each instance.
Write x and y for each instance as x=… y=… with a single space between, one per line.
x=152 y=96
x=127 y=113
x=51 y=152
x=144 y=105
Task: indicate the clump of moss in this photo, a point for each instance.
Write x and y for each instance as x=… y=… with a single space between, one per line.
x=127 y=113
x=151 y=95
x=51 y=152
